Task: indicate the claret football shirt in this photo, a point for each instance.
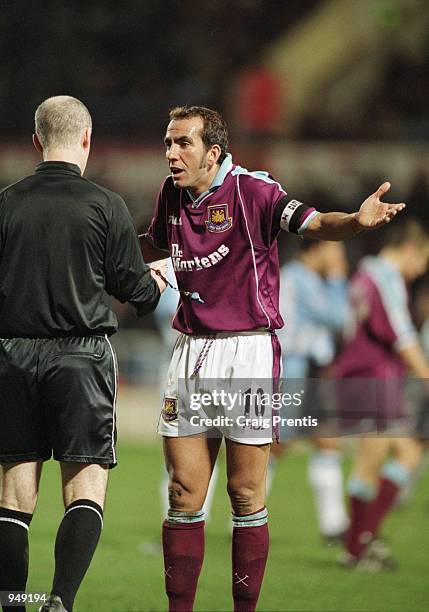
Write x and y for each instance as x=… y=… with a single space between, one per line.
x=223 y=246
x=381 y=324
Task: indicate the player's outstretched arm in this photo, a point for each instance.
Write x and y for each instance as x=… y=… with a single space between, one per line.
x=372 y=214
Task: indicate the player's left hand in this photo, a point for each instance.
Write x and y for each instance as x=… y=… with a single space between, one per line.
x=374 y=213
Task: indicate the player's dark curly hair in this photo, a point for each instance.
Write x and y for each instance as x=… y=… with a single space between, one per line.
x=215 y=130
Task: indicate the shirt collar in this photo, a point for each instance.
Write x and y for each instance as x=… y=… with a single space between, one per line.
x=58 y=166
x=218 y=180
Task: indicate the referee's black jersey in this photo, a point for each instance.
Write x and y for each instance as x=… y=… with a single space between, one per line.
x=65 y=243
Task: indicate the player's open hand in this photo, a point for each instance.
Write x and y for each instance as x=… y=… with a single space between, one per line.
x=374 y=213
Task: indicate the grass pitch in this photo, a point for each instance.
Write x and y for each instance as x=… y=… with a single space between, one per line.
x=301 y=574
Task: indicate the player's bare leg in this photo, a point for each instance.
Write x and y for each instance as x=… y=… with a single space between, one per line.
x=246 y=471
x=19 y=485
x=189 y=462
x=371 y=454
x=84 y=490
x=207 y=506
x=408 y=451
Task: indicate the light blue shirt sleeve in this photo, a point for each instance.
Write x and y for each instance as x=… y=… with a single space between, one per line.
x=314 y=309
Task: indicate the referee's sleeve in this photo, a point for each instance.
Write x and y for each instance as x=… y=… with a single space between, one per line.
x=128 y=278
x=157 y=233
x=1 y=219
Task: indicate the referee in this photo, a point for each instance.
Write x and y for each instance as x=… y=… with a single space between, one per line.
x=65 y=243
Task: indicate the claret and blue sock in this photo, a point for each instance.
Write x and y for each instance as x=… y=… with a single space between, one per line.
x=250 y=542
x=183 y=546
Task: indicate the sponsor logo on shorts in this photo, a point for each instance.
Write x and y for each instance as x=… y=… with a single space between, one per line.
x=218 y=219
x=170 y=410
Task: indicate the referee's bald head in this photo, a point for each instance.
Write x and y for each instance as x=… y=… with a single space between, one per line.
x=60 y=121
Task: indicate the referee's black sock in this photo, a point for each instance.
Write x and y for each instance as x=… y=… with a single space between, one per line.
x=13 y=552
x=77 y=539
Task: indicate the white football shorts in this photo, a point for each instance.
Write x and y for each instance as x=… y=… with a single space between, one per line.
x=222 y=385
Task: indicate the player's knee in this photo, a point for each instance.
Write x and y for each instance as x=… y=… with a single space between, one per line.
x=244 y=497
x=176 y=496
x=183 y=497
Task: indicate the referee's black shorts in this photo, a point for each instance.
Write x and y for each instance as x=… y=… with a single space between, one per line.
x=58 y=397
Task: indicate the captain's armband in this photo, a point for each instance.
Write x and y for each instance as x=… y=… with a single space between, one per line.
x=295 y=216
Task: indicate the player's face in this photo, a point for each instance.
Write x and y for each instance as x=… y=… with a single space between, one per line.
x=191 y=165
x=333 y=259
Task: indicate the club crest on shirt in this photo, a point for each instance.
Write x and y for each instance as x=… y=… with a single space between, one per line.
x=170 y=410
x=218 y=220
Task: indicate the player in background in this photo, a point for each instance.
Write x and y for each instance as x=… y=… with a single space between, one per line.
x=421 y=315
x=380 y=348
x=64 y=242
x=220 y=224
x=420 y=311
x=314 y=304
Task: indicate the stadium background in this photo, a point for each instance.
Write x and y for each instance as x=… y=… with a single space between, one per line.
x=331 y=97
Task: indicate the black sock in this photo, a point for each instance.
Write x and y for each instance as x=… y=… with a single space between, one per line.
x=77 y=539
x=13 y=552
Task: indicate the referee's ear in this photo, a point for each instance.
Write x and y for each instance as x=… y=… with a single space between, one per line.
x=86 y=138
x=37 y=144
